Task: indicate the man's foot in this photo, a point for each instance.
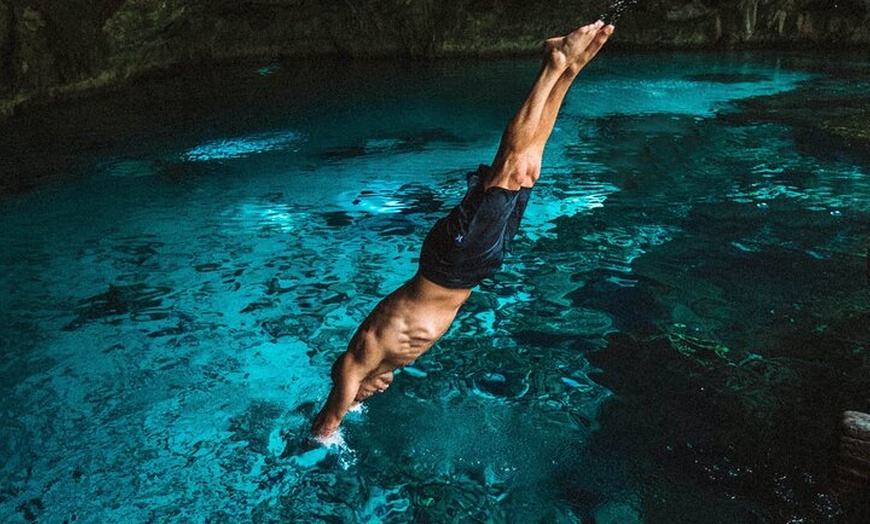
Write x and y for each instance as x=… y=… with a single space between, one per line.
x=577 y=48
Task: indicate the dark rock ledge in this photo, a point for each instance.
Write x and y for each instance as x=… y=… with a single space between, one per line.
x=853 y=470
x=52 y=49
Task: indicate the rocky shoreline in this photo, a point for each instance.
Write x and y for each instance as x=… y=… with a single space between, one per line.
x=52 y=50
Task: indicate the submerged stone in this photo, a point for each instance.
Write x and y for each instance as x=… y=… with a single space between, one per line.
x=140 y=302
x=255 y=425
x=501 y=385
x=616 y=513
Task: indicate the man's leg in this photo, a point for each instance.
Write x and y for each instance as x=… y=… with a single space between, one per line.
x=518 y=161
x=578 y=59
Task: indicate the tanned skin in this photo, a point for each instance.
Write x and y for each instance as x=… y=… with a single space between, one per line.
x=406 y=323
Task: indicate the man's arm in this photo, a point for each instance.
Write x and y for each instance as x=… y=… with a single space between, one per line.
x=348 y=372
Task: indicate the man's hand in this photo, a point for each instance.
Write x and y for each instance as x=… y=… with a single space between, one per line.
x=324 y=425
x=348 y=373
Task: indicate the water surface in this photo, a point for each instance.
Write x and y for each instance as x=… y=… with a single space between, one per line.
x=682 y=320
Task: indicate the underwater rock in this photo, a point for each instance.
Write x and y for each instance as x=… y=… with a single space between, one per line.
x=454 y=496
x=832 y=119
x=501 y=385
x=255 y=425
x=850 y=127
x=616 y=513
x=547 y=323
x=739 y=389
x=138 y=302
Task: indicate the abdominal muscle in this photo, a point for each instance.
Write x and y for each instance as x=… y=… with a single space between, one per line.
x=406 y=324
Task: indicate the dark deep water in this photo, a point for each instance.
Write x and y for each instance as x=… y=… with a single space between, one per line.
x=683 y=318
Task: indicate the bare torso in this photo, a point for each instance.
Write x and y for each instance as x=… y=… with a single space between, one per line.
x=406 y=324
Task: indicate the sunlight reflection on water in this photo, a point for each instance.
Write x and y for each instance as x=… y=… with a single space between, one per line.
x=224 y=149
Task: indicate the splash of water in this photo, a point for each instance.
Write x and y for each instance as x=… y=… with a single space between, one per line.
x=615 y=10
x=314 y=450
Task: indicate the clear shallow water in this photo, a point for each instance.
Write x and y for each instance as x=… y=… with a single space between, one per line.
x=682 y=320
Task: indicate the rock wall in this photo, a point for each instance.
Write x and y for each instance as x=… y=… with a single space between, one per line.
x=50 y=47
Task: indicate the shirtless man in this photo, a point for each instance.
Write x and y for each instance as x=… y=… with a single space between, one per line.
x=466 y=246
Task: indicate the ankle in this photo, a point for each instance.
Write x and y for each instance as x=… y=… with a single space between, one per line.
x=554 y=56
x=572 y=70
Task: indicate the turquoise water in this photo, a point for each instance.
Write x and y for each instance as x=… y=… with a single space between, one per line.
x=683 y=318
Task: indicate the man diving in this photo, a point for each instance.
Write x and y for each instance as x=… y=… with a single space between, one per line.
x=464 y=247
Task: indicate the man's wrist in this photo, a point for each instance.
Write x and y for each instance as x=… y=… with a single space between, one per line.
x=326 y=426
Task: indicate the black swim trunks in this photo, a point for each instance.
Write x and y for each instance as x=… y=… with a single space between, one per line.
x=469 y=244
